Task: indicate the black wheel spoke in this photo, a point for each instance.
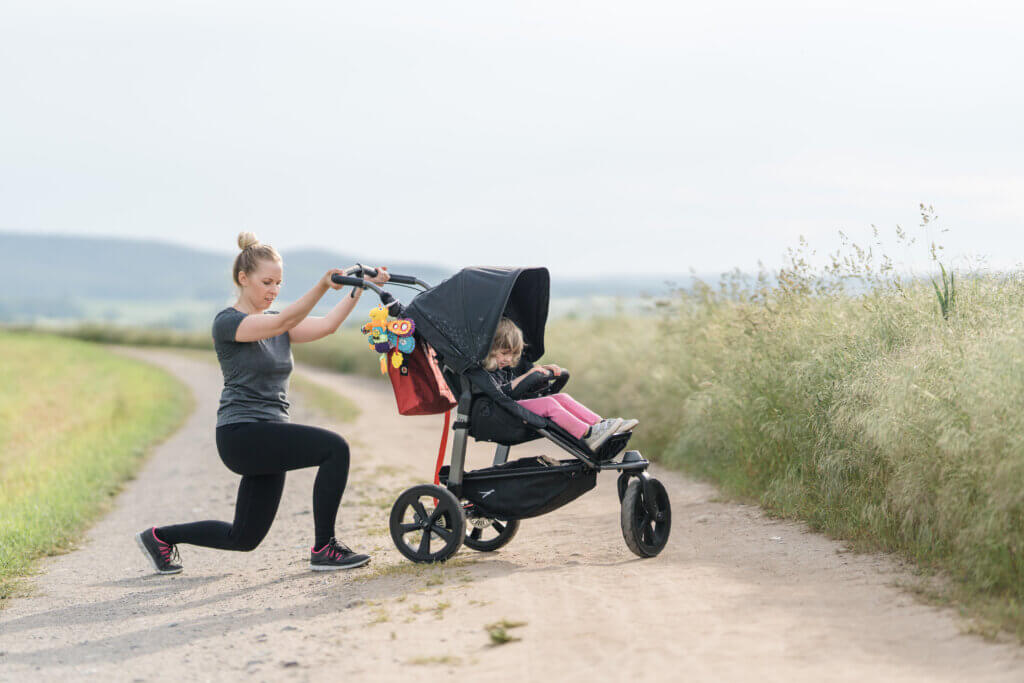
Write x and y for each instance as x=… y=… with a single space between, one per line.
x=475 y=533
x=418 y=507
x=424 y=548
x=406 y=528
x=499 y=527
x=434 y=515
x=441 y=531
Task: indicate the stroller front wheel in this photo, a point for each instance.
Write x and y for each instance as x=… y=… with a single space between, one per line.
x=425 y=531
x=646 y=523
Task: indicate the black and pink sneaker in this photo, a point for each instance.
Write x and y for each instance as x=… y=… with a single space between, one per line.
x=161 y=555
x=335 y=555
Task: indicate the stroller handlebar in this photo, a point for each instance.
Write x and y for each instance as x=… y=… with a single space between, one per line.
x=359 y=270
x=408 y=280
x=359 y=282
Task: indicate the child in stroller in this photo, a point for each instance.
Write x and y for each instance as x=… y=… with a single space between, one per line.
x=504 y=364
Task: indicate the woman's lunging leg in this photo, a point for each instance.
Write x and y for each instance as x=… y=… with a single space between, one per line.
x=328 y=488
x=255 y=508
x=282 y=446
x=262 y=452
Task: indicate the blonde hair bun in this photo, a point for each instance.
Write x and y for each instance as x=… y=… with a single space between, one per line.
x=253 y=251
x=246 y=240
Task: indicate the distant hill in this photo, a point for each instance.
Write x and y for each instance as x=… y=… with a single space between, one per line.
x=63 y=278
x=59 y=266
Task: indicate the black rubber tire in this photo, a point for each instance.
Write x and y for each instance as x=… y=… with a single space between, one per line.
x=478 y=539
x=620 y=484
x=410 y=513
x=645 y=536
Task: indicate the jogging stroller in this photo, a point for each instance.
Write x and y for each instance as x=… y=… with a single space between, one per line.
x=454 y=327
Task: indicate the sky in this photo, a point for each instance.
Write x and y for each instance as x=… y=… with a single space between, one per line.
x=650 y=136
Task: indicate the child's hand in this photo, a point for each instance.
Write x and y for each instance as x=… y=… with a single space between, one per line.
x=553 y=369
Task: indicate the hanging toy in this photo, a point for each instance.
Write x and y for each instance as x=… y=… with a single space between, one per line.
x=378 y=336
x=390 y=336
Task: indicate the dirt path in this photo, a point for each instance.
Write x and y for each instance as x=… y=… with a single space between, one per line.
x=734 y=597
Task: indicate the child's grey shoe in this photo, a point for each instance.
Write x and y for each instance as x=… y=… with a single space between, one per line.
x=600 y=432
x=628 y=425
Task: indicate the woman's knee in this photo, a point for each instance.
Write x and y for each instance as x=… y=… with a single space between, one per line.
x=248 y=545
x=249 y=539
x=337 y=446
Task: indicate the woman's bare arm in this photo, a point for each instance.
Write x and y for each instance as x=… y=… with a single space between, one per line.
x=256 y=327
x=314 y=327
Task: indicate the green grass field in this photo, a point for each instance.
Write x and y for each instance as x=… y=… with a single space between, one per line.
x=75 y=422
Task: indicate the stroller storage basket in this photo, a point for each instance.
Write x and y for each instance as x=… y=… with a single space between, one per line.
x=525 y=488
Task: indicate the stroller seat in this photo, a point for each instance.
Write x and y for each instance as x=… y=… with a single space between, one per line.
x=489 y=421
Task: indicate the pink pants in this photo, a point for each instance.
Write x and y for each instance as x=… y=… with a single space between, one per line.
x=564 y=411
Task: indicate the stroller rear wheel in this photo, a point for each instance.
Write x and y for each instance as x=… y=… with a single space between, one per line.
x=424 y=531
x=646 y=523
x=487 y=535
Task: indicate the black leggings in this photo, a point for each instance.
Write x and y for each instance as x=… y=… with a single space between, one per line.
x=262 y=452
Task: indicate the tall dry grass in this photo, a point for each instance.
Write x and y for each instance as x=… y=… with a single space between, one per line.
x=873 y=416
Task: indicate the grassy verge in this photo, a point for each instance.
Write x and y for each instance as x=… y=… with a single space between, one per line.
x=872 y=417
x=75 y=423
x=328 y=403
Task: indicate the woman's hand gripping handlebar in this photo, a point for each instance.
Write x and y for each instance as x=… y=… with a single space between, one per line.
x=356 y=277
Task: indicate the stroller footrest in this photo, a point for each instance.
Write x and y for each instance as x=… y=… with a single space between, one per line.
x=613 y=446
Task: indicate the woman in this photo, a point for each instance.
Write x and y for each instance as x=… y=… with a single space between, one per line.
x=254 y=437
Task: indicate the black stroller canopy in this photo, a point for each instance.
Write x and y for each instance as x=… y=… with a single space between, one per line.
x=458 y=317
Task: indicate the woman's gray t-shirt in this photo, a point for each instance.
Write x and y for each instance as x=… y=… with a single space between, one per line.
x=255 y=373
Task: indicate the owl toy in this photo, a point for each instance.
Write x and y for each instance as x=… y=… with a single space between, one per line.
x=390 y=336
